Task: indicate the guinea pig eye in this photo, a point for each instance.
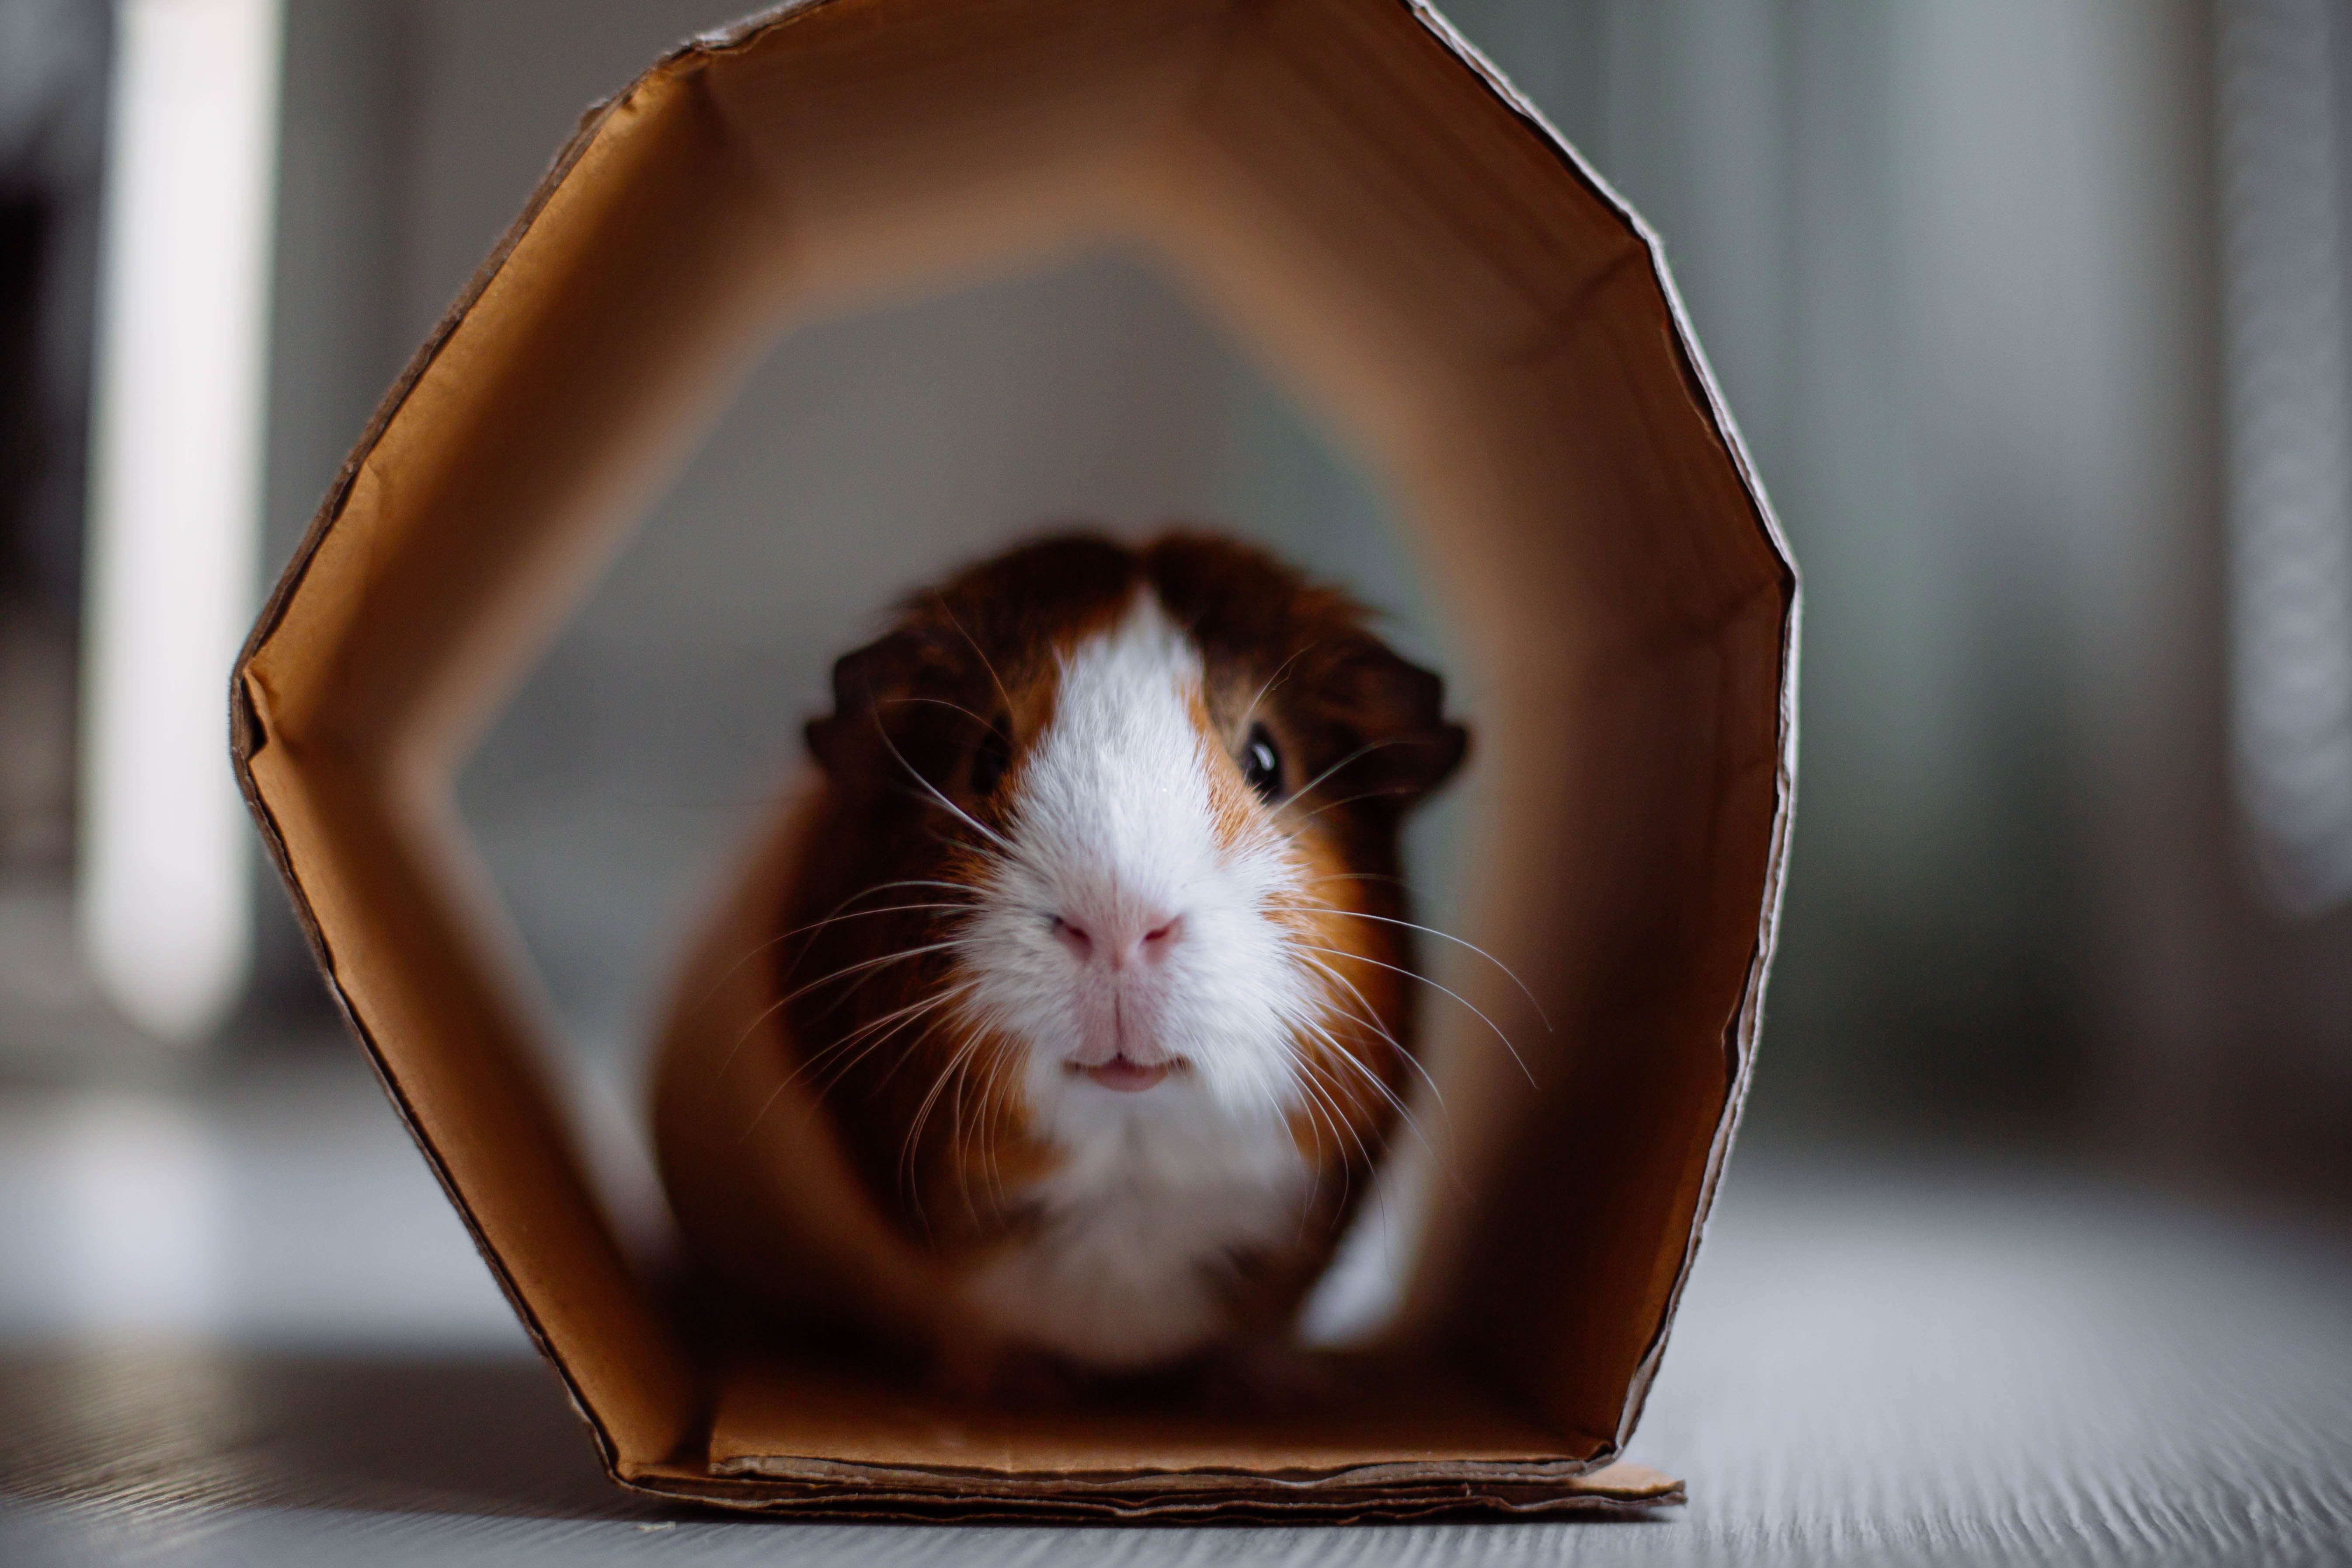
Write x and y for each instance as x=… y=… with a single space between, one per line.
x=988 y=761
x=1262 y=765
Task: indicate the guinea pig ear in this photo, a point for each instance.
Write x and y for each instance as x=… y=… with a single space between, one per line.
x=1398 y=711
x=868 y=684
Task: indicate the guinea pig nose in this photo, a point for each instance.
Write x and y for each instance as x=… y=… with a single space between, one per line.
x=1121 y=942
x=1154 y=935
x=1074 y=938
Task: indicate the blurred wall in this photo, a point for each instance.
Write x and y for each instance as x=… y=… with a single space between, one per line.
x=1952 y=264
x=52 y=56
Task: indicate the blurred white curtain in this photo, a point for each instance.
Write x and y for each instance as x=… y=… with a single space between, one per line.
x=2287 y=388
x=1947 y=260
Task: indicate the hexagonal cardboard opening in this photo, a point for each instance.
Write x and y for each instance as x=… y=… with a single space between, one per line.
x=1350 y=189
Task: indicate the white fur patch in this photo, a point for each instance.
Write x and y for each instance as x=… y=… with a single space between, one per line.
x=1114 y=833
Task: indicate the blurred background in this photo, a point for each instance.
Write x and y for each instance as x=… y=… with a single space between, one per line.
x=2034 y=314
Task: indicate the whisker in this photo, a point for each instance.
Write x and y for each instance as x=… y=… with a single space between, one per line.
x=873 y=967
x=1413 y=1123
x=785 y=936
x=887 y=909
x=932 y=790
x=1274 y=680
x=976 y=648
x=843 y=998
x=896 y=1021
x=817 y=1090
x=923 y=1113
x=822 y=1089
x=867 y=914
x=956 y=1150
x=1328 y=1093
x=1357 y=755
x=1433 y=985
x=951 y=1072
x=928 y=794
x=761 y=1114
x=968 y=1149
x=1346 y=1015
x=899 y=957
x=915 y=882
x=866 y=1030
x=1371 y=1014
x=1372 y=1078
x=992 y=1069
x=941 y=703
x=1317 y=1095
x=1343 y=801
x=761 y=1016
x=1436 y=1094
x=1331 y=1093
x=979 y=852
x=1314 y=1191
x=1354 y=877
x=1447 y=936
x=958 y=992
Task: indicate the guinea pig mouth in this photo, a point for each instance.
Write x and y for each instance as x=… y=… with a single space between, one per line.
x=1126 y=1075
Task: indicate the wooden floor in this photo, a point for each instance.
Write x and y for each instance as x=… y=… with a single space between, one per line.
x=1874 y=1363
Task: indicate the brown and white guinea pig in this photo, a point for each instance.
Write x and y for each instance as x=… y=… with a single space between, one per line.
x=1095 y=959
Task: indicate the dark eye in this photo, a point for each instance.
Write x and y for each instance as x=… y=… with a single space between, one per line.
x=1262 y=765
x=988 y=761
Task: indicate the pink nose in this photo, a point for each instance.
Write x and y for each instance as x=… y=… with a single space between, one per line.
x=1120 y=942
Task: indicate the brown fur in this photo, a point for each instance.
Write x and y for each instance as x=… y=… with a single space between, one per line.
x=923 y=1108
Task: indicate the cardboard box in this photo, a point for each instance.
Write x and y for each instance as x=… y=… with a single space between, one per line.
x=1365 y=203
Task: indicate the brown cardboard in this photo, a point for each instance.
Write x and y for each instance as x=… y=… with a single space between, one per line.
x=1357 y=196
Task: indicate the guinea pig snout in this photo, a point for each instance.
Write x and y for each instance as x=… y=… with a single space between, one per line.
x=1124 y=940
x=1117 y=952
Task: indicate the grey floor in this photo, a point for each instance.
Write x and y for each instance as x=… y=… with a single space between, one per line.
x=240 y=1326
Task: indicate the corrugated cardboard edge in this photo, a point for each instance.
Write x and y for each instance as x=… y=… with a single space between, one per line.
x=1359 y=1494
x=875 y=1496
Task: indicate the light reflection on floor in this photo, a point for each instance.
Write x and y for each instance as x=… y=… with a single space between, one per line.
x=288 y=1208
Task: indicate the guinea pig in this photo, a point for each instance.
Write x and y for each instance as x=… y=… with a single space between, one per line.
x=1093 y=960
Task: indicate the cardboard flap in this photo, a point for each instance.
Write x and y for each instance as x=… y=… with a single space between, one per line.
x=1389 y=1439
x=490 y=486
x=1354 y=191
